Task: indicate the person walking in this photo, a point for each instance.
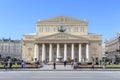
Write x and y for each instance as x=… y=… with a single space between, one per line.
x=54 y=65
x=23 y=64
x=65 y=63
x=5 y=65
x=10 y=65
x=92 y=66
x=104 y=65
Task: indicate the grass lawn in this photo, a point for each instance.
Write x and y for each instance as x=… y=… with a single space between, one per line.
x=111 y=66
x=14 y=66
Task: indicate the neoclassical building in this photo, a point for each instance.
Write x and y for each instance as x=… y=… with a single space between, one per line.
x=62 y=38
x=11 y=48
x=112 y=47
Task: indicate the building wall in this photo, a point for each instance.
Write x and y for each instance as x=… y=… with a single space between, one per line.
x=112 y=46
x=12 y=48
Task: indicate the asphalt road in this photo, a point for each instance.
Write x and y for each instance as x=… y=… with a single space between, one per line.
x=60 y=75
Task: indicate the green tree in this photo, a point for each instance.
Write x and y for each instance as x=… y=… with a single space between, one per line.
x=14 y=59
x=92 y=59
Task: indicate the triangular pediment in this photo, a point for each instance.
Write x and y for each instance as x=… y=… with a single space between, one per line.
x=61 y=36
x=62 y=19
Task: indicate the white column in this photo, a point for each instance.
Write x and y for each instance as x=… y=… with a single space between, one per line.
x=80 y=53
x=36 y=52
x=72 y=52
x=58 y=52
x=43 y=52
x=87 y=52
x=50 y=52
x=65 y=52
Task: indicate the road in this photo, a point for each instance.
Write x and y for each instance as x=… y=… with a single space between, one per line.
x=60 y=75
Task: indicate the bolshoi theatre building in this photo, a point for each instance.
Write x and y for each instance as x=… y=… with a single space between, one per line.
x=61 y=38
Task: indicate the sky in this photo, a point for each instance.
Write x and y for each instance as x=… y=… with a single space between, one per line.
x=18 y=17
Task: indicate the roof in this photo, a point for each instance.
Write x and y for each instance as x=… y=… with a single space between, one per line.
x=62 y=19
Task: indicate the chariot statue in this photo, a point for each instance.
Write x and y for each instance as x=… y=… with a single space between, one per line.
x=61 y=29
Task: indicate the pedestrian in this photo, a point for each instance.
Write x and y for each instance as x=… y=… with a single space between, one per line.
x=72 y=63
x=5 y=65
x=92 y=66
x=22 y=64
x=104 y=65
x=65 y=63
x=75 y=65
x=10 y=65
x=54 y=65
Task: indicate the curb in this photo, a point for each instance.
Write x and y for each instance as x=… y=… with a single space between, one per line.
x=60 y=70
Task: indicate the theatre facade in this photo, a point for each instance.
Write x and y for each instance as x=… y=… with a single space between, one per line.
x=61 y=38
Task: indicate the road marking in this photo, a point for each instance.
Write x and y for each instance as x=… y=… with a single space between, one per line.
x=58 y=77
x=59 y=72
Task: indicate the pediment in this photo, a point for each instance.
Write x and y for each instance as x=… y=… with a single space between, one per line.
x=61 y=36
x=62 y=19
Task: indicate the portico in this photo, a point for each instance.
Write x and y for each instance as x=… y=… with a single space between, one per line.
x=61 y=54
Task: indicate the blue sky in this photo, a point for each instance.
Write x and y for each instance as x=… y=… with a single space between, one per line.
x=18 y=17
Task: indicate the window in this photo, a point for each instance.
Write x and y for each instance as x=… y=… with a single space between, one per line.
x=75 y=29
x=69 y=29
x=47 y=29
x=54 y=29
x=82 y=29
x=41 y=29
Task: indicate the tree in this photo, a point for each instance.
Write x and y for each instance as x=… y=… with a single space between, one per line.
x=105 y=59
x=117 y=59
x=96 y=60
x=14 y=59
x=92 y=59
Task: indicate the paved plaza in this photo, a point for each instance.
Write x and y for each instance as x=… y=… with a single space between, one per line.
x=60 y=75
x=58 y=67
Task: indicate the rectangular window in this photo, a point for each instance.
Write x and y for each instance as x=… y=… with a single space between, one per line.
x=75 y=29
x=54 y=29
x=48 y=29
x=82 y=29
x=40 y=29
x=69 y=29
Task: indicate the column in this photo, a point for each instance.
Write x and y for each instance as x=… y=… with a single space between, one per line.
x=72 y=52
x=80 y=53
x=58 y=52
x=65 y=52
x=43 y=52
x=87 y=52
x=36 y=52
x=50 y=52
